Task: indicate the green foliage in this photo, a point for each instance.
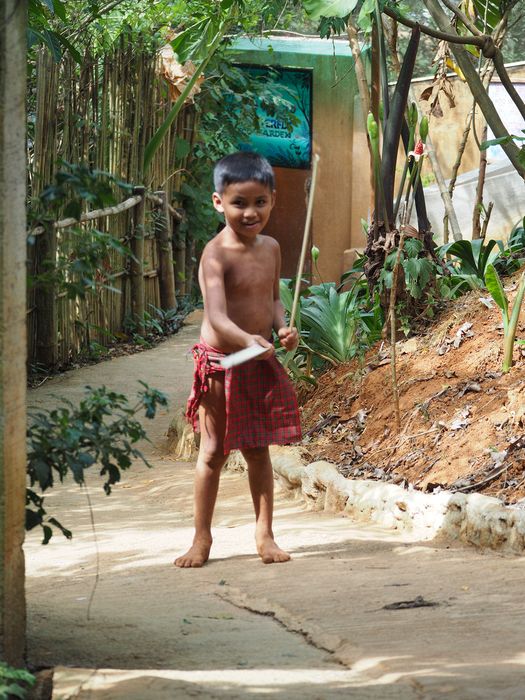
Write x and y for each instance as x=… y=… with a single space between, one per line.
x=102 y=430
x=76 y=185
x=44 y=19
x=334 y=326
x=14 y=682
x=329 y=8
x=157 y=322
x=83 y=262
x=510 y=318
x=471 y=258
x=418 y=269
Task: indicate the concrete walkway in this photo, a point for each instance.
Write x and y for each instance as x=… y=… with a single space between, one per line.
x=314 y=628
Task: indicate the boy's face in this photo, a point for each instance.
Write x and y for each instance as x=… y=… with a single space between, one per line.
x=246 y=207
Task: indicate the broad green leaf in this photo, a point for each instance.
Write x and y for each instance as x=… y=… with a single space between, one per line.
x=59 y=9
x=329 y=8
x=365 y=18
x=488 y=11
x=495 y=288
x=464 y=252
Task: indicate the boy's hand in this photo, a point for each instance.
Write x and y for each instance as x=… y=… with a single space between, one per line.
x=265 y=344
x=289 y=338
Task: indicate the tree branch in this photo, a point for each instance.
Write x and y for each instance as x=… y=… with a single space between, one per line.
x=462 y=16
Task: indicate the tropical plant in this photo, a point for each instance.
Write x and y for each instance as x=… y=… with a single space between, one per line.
x=333 y=326
x=69 y=439
x=470 y=259
x=157 y=322
x=14 y=682
x=510 y=317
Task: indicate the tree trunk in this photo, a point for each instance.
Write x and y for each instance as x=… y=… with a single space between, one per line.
x=12 y=328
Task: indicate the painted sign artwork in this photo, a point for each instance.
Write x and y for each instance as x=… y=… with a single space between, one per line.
x=285 y=142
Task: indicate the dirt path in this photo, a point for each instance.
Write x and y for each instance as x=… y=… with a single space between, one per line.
x=314 y=628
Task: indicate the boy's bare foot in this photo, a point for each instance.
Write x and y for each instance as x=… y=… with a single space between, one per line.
x=196 y=556
x=270 y=552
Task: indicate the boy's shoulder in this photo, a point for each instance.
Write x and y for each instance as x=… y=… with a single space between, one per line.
x=219 y=244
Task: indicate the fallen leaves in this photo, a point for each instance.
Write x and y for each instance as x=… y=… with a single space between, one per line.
x=464 y=331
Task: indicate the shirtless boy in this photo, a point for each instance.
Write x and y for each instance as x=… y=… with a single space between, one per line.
x=252 y=405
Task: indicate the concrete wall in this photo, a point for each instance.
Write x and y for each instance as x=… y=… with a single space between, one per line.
x=12 y=328
x=341 y=197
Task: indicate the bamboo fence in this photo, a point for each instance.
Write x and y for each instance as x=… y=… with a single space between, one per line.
x=103 y=113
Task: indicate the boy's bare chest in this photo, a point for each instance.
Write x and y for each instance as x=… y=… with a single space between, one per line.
x=249 y=272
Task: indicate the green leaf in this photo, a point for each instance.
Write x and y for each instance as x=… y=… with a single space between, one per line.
x=494 y=142
x=329 y=8
x=413 y=247
x=495 y=288
x=365 y=17
x=464 y=252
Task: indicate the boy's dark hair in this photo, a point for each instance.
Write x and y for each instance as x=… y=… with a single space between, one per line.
x=242 y=167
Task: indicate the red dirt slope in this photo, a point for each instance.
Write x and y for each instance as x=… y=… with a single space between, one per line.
x=462 y=420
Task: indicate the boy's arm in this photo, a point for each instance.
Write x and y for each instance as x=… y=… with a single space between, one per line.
x=288 y=338
x=216 y=308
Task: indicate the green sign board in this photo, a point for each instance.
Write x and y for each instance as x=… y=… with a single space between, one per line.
x=284 y=146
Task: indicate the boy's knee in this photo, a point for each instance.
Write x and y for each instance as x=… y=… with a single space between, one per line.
x=214 y=457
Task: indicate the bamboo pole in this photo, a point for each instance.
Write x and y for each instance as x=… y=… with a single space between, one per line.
x=190 y=264
x=90 y=215
x=179 y=245
x=137 y=262
x=45 y=301
x=302 y=257
x=168 y=299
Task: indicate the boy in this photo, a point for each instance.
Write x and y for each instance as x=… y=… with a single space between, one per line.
x=252 y=405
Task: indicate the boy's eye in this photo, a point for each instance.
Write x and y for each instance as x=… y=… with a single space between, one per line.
x=261 y=202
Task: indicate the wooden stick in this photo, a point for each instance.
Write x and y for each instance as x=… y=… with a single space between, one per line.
x=305 y=242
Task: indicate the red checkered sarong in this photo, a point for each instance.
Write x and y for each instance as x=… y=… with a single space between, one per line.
x=261 y=406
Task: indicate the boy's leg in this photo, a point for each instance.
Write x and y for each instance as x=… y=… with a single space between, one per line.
x=211 y=459
x=260 y=475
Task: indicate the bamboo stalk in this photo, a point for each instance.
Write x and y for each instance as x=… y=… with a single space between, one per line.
x=90 y=215
x=302 y=257
x=45 y=301
x=180 y=262
x=137 y=262
x=168 y=299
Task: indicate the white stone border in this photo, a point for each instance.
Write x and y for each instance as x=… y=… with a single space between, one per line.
x=475 y=519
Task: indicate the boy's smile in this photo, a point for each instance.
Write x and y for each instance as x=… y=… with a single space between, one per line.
x=246 y=207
